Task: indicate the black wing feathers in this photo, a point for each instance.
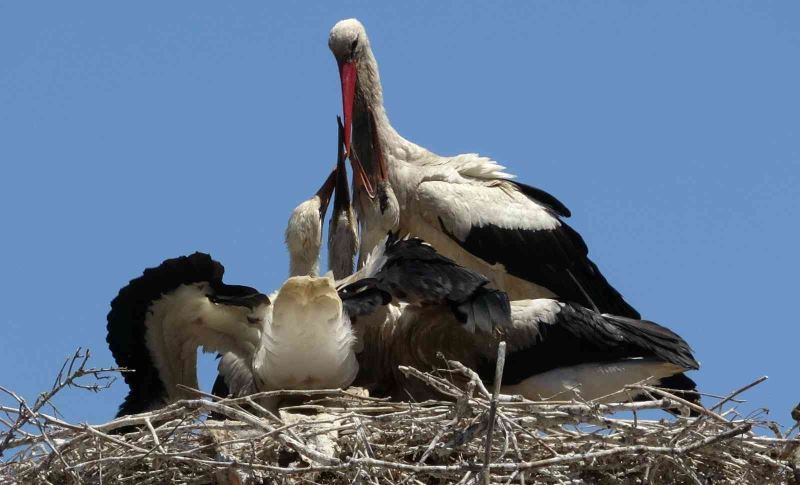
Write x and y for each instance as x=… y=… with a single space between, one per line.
x=126 y=324
x=415 y=273
x=363 y=297
x=543 y=198
x=485 y=310
x=549 y=258
x=580 y=336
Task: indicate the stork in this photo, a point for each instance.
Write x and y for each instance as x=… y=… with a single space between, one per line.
x=466 y=206
x=159 y=319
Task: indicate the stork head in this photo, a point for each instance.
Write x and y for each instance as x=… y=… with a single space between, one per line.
x=348 y=41
x=239 y=312
x=350 y=46
x=304 y=230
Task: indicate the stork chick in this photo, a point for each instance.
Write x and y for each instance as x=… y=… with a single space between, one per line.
x=159 y=319
x=304 y=230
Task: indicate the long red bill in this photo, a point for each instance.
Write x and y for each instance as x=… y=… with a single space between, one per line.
x=347 y=74
x=360 y=175
x=383 y=172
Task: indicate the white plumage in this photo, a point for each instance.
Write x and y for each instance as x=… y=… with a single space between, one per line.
x=309 y=344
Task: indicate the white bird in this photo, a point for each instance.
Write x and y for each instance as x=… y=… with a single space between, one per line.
x=466 y=205
x=159 y=319
x=304 y=230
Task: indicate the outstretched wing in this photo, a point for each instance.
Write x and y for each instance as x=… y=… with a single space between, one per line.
x=126 y=324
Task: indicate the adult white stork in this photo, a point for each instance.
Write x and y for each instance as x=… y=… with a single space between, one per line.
x=466 y=205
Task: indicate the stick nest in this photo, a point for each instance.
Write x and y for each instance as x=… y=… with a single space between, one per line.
x=346 y=436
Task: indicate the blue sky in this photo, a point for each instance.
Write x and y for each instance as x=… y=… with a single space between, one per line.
x=131 y=133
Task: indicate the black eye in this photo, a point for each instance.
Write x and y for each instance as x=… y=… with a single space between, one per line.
x=253 y=320
x=353 y=45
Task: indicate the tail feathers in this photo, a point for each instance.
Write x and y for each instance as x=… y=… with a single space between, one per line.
x=484 y=311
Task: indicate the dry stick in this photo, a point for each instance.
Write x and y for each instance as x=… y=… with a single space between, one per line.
x=285 y=393
x=699 y=409
x=737 y=392
x=498 y=379
x=154 y=435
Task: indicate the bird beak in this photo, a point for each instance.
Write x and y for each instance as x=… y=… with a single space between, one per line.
x=324 y=193
x=348 y=75
x=383 y=172
x=360 y=177
x=341 y=201
x=237 y=295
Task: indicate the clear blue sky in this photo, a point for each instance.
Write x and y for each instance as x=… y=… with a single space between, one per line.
x=131 y=133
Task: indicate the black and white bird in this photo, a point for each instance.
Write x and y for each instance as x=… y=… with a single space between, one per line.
x=466 y=206
x=158 y=321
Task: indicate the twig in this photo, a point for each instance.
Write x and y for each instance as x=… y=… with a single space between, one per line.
x=498 y=382
x=737 y=392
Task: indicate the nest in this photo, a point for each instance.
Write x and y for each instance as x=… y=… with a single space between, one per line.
x=345 y=436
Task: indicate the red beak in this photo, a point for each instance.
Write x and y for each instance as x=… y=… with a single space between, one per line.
x=348 y=74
